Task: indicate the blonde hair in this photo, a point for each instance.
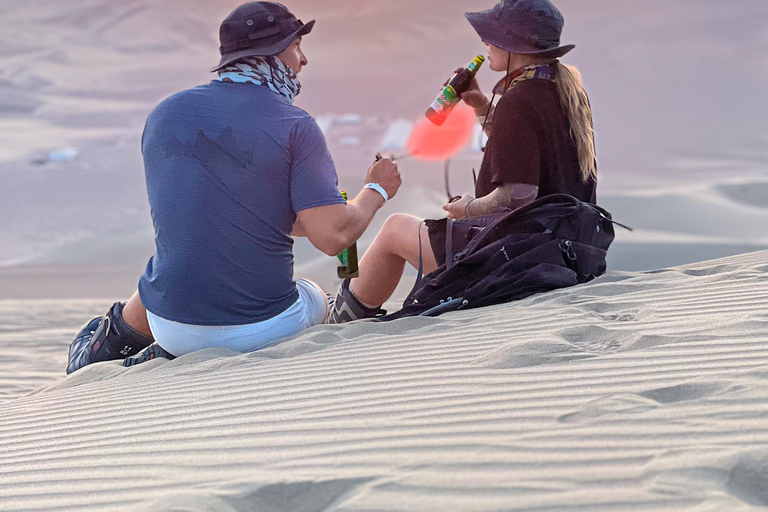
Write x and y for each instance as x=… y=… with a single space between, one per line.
x=576 y=104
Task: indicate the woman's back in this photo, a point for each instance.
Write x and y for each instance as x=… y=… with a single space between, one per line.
x=531 y=142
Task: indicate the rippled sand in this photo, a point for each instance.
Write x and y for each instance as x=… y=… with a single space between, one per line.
x=639 y=391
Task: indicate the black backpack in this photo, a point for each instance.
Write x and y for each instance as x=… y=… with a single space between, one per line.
x=555 y=242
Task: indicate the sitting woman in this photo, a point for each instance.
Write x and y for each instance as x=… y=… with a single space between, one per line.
x=541 y=142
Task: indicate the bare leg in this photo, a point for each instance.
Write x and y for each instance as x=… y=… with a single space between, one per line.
x=383 y=263
x=135 y=315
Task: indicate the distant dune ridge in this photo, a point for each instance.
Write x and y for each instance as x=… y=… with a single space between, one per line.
x=640 y=391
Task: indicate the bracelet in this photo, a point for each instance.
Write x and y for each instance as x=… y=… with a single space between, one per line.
x=466 y=208
x=378 y=188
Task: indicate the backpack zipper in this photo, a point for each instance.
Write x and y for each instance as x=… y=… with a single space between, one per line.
x=567 y=247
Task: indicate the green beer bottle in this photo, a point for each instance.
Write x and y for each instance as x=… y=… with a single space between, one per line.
x=451 y=94
x=348 y=258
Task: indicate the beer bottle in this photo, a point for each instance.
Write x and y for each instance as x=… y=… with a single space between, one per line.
x=451 y=94
x=348 y=258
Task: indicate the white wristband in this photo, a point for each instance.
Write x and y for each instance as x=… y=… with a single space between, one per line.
x=378 y=188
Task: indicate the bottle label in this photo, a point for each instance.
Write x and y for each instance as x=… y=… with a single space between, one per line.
x=475 y=65
x=344 y=256
x=446 y=100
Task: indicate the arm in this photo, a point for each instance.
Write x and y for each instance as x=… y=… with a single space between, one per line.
x=512 y=196
x=321 y=214
x=512 y=162
x=483 y=107
x=333 y=228
x=298 y=229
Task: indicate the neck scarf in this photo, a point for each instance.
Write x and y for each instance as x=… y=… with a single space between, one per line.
x=532 y=72
x=267 y=71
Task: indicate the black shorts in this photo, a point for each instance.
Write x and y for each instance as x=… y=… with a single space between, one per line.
x=462 y=232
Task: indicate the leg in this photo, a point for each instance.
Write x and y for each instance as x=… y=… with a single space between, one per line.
x=383 y=264
x=135 y=315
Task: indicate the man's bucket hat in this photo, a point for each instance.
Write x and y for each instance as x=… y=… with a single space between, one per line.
x=522 y=26
x=258 y=29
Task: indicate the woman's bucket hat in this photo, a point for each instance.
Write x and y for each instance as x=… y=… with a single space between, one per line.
x=258 y=29
x=532 y=27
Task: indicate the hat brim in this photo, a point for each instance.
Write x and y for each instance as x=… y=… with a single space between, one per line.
x=264 y=51
x=491 y=31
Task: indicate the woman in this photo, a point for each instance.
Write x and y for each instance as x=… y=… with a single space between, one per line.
x=541 y=142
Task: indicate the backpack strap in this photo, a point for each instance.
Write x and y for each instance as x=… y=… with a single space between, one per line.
x=420 y=275
x=448 y=243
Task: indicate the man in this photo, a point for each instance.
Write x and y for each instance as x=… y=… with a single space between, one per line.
x=540 y=143
x=233 y=169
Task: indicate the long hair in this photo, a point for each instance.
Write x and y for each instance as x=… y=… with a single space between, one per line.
x=576 y=104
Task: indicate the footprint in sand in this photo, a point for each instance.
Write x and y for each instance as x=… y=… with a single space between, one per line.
x=710 y=271
x=616 y=405
x=628 y=404
x=525 y=354
x=739 y=478
x=572 y=344
x=304 y=496
x=749 y=478
x=685 y=392
x=596 y=339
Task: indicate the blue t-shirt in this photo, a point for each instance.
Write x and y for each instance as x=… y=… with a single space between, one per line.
x=228 y=166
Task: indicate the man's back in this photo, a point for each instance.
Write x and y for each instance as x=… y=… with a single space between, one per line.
x=228 y=166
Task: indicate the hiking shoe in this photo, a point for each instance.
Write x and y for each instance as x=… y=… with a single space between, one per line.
x=346 y=307
x=77 y=348
x=148 y=354
x=105 y=339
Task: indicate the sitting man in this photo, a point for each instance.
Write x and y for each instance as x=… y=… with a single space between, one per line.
x=233 y=170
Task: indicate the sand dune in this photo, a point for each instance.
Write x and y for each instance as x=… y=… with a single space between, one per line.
x=640 y=391
x=677 y=87
x=682 y=224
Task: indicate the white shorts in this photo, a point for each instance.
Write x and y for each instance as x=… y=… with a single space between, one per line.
x=310 y=309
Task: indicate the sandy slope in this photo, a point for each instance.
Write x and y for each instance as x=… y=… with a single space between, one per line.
x=640 y=391
x=678 y=90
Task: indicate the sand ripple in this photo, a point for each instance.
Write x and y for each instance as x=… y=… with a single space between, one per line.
x=640 y=391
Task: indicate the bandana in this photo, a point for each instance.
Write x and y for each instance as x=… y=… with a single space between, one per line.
x=267 y=71
x=532 y=72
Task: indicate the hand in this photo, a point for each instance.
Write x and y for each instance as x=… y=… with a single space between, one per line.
x=473 y=96
x=456 y=210
x=385 y=173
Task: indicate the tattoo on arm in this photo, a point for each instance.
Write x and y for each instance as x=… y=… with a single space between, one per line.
x=512 y=196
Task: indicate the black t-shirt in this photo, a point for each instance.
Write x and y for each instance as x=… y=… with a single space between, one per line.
x=531 y=143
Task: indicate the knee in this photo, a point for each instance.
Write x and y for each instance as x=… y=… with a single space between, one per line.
x=400 y=223
x=399 y=230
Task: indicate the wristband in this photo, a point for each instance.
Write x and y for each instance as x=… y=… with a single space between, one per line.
x=378 y=188
x=466 y=208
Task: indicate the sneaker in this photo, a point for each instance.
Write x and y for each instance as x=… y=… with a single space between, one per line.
x=148 y=354
x=105 y=339
x=346 y=307
x=78 y=347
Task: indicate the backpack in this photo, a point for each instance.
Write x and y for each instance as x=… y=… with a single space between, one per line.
x=555 y=242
